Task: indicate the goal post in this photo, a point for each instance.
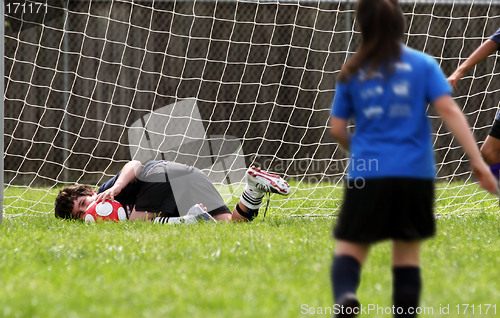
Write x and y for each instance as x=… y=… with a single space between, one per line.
x=80 y=76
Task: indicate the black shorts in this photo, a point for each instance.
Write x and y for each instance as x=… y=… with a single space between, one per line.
x=171 y=189
x=495 y=129
x=387 y=208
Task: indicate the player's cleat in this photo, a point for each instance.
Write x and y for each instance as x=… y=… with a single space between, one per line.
x=266 y=182
x=348 y=306
x=198 y=213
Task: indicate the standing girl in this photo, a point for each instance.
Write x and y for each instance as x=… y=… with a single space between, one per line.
x=386 y=87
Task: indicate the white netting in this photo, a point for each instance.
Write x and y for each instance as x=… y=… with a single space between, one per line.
x=79 y=76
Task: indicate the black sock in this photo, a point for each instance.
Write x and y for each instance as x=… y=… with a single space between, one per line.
x=406 y=287
x=250 y=214
x=345 y=275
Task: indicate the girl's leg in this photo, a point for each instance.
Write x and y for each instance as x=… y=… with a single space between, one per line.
x=407 y=282
x=346 y=268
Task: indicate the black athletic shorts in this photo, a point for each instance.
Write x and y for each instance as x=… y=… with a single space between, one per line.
x=171 y=189
x=386 y=208
x=495 y=129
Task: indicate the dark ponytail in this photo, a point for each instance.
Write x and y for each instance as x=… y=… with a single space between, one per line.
x=382 y=27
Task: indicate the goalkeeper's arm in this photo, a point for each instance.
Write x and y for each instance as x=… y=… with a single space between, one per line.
x=127 y=175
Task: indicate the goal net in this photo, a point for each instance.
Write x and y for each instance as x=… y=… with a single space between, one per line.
x=218 y=84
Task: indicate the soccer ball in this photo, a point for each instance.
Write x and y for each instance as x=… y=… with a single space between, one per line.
x=108 y=210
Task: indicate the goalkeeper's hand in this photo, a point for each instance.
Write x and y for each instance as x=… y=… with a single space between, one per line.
x=108 y=194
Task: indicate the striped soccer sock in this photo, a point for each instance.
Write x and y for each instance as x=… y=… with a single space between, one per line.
x=252 y=198
x=167 y=220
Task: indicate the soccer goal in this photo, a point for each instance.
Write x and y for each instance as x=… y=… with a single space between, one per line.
x=92 y=84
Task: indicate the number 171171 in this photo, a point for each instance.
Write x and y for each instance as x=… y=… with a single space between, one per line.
x=476 y=309
x=29 y=7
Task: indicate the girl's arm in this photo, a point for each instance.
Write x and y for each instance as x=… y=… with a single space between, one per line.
x=338 y=129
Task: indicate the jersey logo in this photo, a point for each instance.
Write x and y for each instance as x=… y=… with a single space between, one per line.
x=400 y=110
x=401 y=88
x=372 y=92
x=373 y=111
x=401 y=66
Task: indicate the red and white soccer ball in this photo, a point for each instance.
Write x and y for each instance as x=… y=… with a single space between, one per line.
x=108 y=210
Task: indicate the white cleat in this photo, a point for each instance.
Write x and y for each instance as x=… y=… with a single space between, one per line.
x=266 y=182
x=198 y=213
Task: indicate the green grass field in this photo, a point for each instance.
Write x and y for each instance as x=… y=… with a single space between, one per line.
x=276 y=268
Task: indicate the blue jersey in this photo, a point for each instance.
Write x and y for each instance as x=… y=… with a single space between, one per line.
x=392 y=135
x=496 y=37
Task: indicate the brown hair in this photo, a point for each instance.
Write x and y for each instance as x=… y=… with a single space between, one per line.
x=382 y=27
x=64 y=201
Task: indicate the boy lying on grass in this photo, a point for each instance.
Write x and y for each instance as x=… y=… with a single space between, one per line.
x=169 y=192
